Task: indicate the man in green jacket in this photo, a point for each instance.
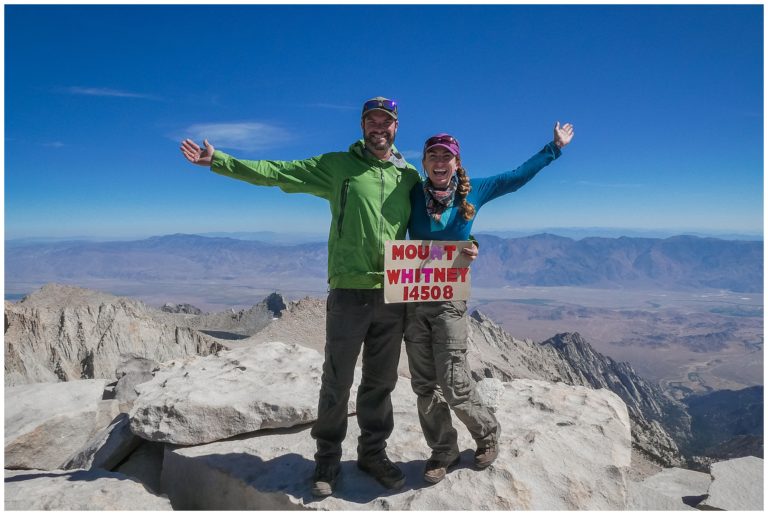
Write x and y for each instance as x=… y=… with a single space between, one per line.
x=367 y=188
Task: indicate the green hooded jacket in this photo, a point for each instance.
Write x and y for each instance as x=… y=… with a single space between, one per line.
x=369 y=201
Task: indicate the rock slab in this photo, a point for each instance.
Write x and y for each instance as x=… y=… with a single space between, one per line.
x=69 y=490
x=46 y=424
x=205 y=399
x=107 y=448
x=670 y=489
x=736 y=485
x=562 y=447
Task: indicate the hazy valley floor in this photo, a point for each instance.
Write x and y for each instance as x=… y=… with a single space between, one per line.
x=689 y=341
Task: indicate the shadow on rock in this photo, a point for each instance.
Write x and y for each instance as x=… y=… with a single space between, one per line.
x=245 y=481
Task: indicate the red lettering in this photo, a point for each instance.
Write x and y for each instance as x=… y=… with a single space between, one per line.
x=448 y=292
x=427 y=274
x=424 y=252
x=397 y=252
x=463 y=272
x=439 y=275
x=425 y=293
x=435 y=292
x=453 y=275
x=410 y=251
x=450 y=249
x=392 y=276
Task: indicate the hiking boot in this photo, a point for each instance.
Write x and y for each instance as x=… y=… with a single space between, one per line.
x=486 y=453
x=324 y=478
x=436 y=469
x=382 y=470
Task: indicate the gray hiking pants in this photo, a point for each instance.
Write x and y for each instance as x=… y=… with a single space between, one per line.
x=436 y=343
x=355 y=319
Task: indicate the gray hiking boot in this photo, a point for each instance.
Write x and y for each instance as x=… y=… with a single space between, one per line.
x=436 y=468
x=486 y=454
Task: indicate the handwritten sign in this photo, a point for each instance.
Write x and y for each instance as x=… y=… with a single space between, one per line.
x=425 y=271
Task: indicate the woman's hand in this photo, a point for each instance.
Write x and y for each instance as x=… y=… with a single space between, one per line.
x=470 y=252
x=563 y=135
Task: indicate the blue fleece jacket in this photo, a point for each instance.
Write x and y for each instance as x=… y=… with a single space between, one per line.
x=423 y=227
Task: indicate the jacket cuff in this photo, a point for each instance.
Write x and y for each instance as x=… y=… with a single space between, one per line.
x=552 y=147
x=219 y=159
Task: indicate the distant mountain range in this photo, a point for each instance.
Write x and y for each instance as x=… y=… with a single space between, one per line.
x=578 y=233
x=682 y=262
x=293 y=238
x=676 y=262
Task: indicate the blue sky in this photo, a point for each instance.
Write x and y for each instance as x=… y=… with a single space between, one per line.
x=667 y=103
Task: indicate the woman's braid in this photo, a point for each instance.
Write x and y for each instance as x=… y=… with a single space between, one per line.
x=467 y=210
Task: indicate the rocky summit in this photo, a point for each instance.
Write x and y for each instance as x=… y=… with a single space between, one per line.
x=62 y=333
x=225 y=425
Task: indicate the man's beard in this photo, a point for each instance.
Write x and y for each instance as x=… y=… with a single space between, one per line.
x=373 y=141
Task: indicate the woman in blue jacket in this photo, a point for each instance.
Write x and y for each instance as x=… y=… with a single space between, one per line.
x=443 y=208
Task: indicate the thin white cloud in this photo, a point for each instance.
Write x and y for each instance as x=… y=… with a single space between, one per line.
x=107 y=92
x=54 y=144
x=249 y=136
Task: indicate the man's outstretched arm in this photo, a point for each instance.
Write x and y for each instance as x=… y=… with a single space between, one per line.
x=302 y=176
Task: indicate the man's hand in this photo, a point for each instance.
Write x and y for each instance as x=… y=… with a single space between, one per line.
x=563 y=135
x=470 y=252
x=195 y=154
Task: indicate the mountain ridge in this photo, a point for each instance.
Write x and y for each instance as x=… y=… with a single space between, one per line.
x=684 y=262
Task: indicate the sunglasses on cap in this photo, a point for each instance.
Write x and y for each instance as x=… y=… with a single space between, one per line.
x=443 y=140
x=383 y=103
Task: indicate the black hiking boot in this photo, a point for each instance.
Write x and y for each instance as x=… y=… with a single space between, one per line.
x=324 y=478
x=382 y=470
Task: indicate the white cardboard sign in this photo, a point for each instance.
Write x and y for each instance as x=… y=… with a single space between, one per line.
x=425 y=271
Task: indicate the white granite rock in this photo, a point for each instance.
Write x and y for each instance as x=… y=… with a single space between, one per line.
x=130 y=372
x=562 y=447
x=107 y=448
x=28 y=406
x=490 y=390
x=670 y=489
x=679 y=483
x=642 y=498
x=736 y=485
x=77 y=490
x=47 y=423
x=205 y=399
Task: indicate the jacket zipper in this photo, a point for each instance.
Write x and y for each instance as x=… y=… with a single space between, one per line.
x=381 y=222
x=344 y=190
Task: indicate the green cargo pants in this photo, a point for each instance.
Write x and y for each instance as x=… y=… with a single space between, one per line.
x=355 y=319
x=436 y=343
